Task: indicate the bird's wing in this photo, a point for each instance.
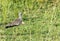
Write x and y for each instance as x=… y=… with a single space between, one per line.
x=16 y=22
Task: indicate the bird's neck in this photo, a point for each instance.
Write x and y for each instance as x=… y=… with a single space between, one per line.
x=20 y=17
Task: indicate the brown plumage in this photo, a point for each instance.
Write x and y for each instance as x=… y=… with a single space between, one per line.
x=16 y=22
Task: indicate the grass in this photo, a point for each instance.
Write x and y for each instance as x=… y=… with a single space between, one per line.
x=42 y=20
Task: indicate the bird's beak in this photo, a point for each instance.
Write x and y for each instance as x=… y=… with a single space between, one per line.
x=23 y=23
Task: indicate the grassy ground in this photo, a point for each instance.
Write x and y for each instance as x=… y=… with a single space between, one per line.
x=42 y=20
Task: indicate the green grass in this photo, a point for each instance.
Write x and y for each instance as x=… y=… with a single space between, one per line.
x=41 y=18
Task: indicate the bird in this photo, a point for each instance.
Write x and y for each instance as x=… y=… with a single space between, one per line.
x=16 y=22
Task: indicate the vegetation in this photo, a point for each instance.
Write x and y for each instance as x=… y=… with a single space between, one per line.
x=41 y=17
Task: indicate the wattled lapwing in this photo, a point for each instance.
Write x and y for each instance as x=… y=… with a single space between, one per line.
x=16 y=22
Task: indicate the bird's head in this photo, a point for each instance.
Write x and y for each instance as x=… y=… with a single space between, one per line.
x=20 y=13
